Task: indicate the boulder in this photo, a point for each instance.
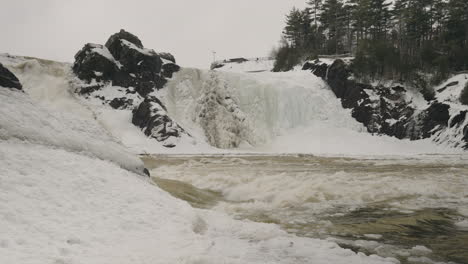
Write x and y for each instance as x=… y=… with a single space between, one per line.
x=458 y=119
x=435 y=117
x=114 y=42
x=317 y=68
x=94 y=61
x=136 y=60
x=121 y=103
x=8 y=79
x=169 y=69
x=167 y=56
x=152 y=118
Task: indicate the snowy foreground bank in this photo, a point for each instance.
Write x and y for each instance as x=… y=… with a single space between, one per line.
x=70 y=193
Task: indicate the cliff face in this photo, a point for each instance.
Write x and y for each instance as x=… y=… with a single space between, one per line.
x=396 y=110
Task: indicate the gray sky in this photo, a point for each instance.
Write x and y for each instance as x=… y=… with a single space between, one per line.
x=189 y=29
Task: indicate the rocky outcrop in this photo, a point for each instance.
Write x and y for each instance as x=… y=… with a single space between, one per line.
x=114 y=43
x=124 y=75
x=152 y=118
x=94 y=62
x=385 y=109
x=8 y=79
x=124 y=62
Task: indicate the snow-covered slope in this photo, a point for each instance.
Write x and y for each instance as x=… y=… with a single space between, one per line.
x=251 y=65
x=48 y=114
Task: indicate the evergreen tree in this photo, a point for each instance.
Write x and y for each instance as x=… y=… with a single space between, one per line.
x=298 y=28
x=332 y=20
x=388 y=41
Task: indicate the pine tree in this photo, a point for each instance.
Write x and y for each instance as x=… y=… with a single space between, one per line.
x=332 y=20
x=298 y=30
x=315 y=6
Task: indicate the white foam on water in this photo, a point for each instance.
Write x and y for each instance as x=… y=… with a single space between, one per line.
x=318 y=186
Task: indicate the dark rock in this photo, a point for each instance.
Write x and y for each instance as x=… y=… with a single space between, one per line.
x=238 y=60
x=439 y=112
x=447 y=86
x=167 y=56
x=159 y=82
x=153 y=119
x=114 y=43
x=140 y=70
x=135 y=60
x=216 y=66
x=146 y=172
x=88 y=89
x=465 y=136
x=8 y=79
x=389 y=114
x=399 y=89
x=124 y=62
x=458 y=119
x=385 y=110
x=121 y=103
x=169 y=69
x=317 y=68
x=90 y=63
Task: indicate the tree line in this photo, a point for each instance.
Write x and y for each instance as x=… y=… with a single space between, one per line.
x=399 y=40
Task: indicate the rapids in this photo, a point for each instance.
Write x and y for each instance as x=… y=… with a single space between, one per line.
x=414 y=208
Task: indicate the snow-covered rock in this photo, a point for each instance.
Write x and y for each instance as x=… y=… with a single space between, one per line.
x=396 y=110
x=125 y=75
x=94 y=62
x=151 y=116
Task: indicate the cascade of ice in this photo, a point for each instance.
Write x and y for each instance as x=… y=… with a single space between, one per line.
x=230 y=108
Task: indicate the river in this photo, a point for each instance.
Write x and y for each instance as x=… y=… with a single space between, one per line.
x=412 y=208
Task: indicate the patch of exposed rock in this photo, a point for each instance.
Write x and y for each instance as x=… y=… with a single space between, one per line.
x=389 y=110
x=8 y=79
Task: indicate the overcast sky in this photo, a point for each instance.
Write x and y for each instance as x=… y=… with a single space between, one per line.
x=189 y=29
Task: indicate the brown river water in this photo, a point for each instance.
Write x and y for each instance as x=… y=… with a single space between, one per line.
x=414 y=208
